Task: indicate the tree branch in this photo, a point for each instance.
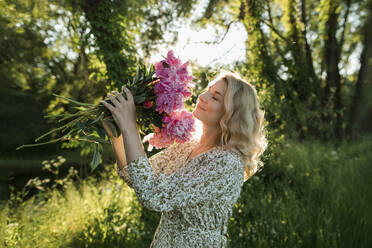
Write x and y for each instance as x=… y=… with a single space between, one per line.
x=280 y=51
x=275 y=30
x=216 y=42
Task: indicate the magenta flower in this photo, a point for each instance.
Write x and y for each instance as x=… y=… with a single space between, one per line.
x=169 y=102
x=171 y=70
x=172 y=89
x=170 y=96
x=174 y=74
x=171 y=92
x=179 y=125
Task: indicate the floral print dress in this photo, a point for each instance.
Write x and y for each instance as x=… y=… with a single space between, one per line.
x=195 y=197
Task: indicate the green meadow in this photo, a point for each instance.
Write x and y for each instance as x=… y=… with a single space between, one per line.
x=308 y=194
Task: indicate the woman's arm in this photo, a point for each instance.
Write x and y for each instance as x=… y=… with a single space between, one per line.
x=124 y=113
x=118 y=147
x=132 y=142
x=217 y=176
x=127 y=147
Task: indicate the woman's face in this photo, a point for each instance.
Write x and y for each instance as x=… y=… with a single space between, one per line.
x=210 y=105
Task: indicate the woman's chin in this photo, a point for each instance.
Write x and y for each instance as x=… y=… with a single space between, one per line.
x=195 y=114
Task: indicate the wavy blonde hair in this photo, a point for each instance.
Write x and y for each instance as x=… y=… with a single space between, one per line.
x=242 y=125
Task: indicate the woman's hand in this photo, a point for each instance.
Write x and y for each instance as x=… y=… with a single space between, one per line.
x=123 y=111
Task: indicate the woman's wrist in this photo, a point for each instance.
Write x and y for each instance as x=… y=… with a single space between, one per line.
x=128 y=128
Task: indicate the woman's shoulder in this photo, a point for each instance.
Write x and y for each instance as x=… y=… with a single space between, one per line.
x=230 y=153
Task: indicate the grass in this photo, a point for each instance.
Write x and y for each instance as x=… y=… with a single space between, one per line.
x=31 y=164
x=89 y=212
x=308 y=195
x=16 y=171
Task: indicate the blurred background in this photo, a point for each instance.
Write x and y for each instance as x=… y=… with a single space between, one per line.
x=310 y=61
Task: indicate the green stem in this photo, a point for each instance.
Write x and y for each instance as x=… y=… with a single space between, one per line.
x=59 y=128
x=73 y=101
x=48 y=142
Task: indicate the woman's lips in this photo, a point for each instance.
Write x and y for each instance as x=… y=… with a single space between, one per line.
x=201 y=107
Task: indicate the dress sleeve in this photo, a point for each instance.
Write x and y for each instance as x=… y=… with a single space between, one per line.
x=158 y=161
x=217 y=175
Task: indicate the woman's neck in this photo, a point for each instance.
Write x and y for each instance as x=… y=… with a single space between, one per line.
x=210 y=137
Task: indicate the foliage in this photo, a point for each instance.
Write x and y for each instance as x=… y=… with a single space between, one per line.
x=298 y=57
x=309 y=195
x=85 y=124
x=52 y=47
x=22 y=56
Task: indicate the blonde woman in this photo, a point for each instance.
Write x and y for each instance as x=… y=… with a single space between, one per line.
x=195 y=184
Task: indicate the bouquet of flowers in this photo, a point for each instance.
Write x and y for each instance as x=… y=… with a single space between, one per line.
x=159 y=94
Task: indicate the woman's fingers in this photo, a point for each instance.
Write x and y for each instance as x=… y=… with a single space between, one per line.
x=126 y=95
x=119 y=96
x=117 y=99
x=129 y=94
x=113 y=99
x=107 y=105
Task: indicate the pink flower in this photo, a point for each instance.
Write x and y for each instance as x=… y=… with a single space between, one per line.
x=165 y=86
x=179 y=125
x=169 y=102
x=159 y=139
x=147 y=104
x=172 y=89
x=171 y=70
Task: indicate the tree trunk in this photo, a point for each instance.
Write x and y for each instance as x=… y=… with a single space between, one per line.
x=110 y=38
x=333 y=79
x=309 y=57
x=364 y=77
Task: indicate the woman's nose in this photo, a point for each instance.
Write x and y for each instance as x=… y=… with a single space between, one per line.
x=204 y=96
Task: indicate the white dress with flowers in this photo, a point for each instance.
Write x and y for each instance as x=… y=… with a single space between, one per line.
x=195 y=197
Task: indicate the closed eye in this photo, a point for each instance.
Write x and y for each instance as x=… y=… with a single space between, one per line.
x=216 y=99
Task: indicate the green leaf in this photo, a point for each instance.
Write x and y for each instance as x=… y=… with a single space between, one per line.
x=101 y=132
x=44 y=143
x=49 y=132
x=64 y=127
x=135 y=79
x=139 y=99
x=98 y=119
x=72 y=123
x=79 y=125
x=73 y=101
x=96 y=160
x=152 y=69
x=92 y=138
x=67 y=116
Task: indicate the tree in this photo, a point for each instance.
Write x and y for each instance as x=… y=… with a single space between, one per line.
x=361 y=103
x=297 y=56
